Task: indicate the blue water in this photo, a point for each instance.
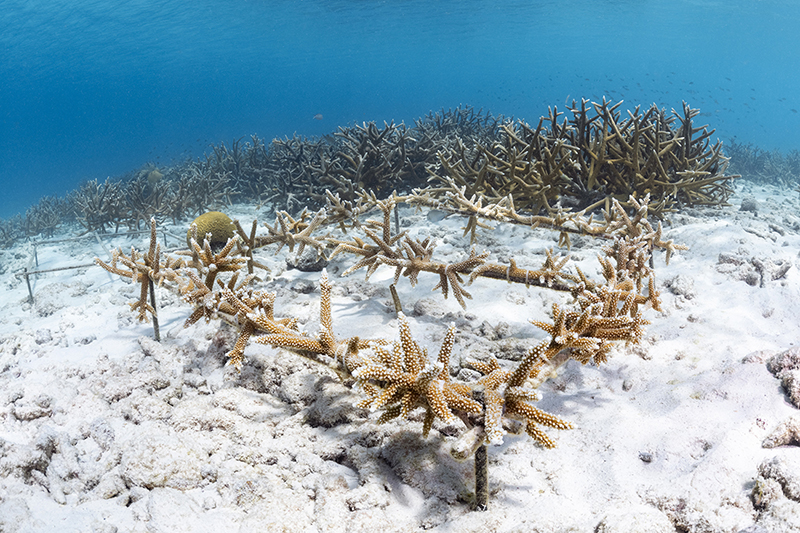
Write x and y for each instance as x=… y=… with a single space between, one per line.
x=92 y=88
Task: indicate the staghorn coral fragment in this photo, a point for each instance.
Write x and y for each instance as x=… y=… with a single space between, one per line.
x=403 y=379
x=144 y=269
x=408 y=256
x=202 y=292
x=450 y=276
x=210 y=263
x=289 y=231
x=505 y=396
x=550 y=274
x=247 y=244
x=324 y=348
x=383 y=239
x=241 y=304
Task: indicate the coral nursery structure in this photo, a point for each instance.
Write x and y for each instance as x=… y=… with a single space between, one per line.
x=400 y=377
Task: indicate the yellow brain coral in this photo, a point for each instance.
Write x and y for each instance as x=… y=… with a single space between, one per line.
x=219 y=225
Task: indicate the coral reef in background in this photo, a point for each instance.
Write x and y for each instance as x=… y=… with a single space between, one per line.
x=43 y=218
x=564 y=164
x=764 y=166
x=584 y=161
x=287 y=174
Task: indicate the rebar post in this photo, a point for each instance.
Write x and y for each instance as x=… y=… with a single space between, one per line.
x=156 y=331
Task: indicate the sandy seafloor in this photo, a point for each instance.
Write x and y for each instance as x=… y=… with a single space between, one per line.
x=103 y=430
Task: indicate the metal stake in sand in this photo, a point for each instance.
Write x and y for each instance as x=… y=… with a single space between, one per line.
x=481 y=466
x=398 y=307
x=156 y=331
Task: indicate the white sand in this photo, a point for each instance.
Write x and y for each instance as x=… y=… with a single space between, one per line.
x=102 y=429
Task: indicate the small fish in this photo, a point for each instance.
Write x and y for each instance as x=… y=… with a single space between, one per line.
x=794 y=110
x=318 y=116
x=435 y=215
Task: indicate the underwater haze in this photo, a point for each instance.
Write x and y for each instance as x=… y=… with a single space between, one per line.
x=92 y=88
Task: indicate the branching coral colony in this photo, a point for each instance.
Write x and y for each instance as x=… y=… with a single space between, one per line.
x=578 y=159
x=596 y=162
x=400 y=377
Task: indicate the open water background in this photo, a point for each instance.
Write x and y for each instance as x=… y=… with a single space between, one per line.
x=92 y=88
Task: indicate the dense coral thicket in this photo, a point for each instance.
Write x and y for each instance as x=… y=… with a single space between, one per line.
x=564 y=163
x=595 y=155
x=764 y=166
